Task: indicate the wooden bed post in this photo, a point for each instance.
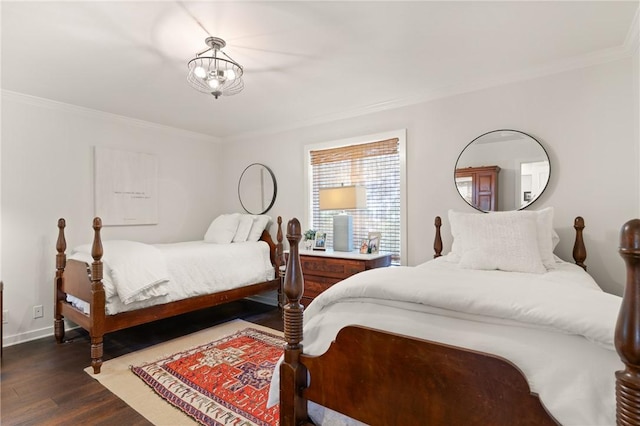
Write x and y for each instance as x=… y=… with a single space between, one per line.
x=279 y=250
x=293 y=407
x=437 y=242
x=579 y=249
x=627 y=335
x=61 y=261
x=98 y=299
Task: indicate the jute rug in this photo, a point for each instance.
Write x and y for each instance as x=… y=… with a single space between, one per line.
x=116 y=374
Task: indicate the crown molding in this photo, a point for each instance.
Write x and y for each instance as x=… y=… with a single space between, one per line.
x=93 y=113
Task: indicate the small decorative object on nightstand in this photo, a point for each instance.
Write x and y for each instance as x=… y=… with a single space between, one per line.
x=320 y=242
x=309 y=238
x=322 y=269
x=373 y=245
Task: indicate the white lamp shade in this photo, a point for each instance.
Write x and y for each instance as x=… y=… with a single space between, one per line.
x=343 y=198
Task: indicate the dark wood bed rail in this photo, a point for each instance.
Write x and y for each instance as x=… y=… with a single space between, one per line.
x=85 y=282
x=505 y=400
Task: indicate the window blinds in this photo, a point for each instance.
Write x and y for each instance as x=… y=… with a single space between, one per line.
x=375 y=165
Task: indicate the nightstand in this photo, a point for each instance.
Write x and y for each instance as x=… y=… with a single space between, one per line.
x=322 y=269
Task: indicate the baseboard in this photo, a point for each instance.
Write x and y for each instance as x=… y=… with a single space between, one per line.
x=15 y=339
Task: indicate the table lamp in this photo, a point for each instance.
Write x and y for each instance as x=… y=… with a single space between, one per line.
x=343 y=198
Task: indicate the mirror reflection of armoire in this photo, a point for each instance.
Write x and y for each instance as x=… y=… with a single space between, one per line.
x=479 y=186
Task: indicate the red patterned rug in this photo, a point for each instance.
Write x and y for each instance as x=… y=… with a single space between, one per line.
x=225 y=382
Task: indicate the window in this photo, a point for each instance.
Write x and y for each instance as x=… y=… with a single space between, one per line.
x=376 y=162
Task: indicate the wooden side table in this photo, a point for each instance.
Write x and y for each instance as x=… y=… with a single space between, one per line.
x=322 y=269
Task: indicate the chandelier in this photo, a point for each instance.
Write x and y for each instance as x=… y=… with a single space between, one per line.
x=213 y=71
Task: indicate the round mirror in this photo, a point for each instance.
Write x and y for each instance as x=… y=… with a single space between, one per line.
x=257 y=189
x=502 y=170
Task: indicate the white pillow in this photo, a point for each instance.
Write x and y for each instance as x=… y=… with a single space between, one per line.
x=500 y=240
x=244 y=227
x=547 y=236
x=222 y=229
x=260 y=223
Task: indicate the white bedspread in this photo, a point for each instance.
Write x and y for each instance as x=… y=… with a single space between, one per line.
x=556 y=327
x=193 y=268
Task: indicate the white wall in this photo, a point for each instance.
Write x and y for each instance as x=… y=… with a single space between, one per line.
x=47 y=173
x=584 y=118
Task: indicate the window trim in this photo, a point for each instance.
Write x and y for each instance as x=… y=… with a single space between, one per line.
x=401 y=135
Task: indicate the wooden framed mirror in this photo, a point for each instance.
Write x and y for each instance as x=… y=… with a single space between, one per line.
x=502 y=170
x=257 y=189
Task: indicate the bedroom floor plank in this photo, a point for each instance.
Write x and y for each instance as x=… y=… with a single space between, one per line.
x=42 y=382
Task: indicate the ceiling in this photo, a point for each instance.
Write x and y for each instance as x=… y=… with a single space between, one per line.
x=305 y=62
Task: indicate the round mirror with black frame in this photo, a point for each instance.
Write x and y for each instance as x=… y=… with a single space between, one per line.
x=502 y=170
x=257 y=189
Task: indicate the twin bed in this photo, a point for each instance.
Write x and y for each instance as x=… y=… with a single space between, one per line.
x=512 y=337
x=112 y=285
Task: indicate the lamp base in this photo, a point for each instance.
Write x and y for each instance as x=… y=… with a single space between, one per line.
x=342 y=232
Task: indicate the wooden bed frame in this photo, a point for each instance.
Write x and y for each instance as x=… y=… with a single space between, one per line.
x=85 y=282
x=369 y=377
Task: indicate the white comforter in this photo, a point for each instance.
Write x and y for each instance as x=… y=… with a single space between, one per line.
x=138 y=275
x=556 y=327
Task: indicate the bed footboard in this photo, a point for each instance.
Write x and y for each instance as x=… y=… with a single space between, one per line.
x=443 y=389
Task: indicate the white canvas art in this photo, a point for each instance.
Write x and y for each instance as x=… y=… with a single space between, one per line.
x=126 y=187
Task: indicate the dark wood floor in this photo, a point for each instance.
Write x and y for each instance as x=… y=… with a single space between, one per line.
x=43 y=383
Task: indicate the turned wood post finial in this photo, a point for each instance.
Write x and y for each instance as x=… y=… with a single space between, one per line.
x=437 y=242
x=61 y=246
x=280 y=259
x=627 y=334
x=96 y=248
x=96 y=251
x=579 y=250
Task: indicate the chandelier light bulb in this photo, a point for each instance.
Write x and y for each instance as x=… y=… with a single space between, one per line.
x=200 y=72
x=230 y=74
x=213 y=83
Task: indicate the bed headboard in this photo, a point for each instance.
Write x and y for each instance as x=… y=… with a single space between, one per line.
x=579 y=249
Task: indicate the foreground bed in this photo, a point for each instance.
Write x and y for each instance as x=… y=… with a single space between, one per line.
x=80 y=294
x=382 y=377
